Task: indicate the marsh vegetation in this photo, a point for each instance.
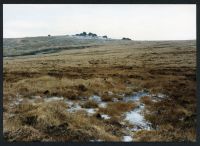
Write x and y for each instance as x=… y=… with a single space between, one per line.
x=64 y=88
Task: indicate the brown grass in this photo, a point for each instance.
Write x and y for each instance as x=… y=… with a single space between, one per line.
x=166 y=135
x=160 y=67
x=90 y=104
x=106 y=98
x=116 y=109
x=52 y=120
x=146 y=100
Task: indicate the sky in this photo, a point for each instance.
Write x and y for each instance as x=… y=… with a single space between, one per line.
x=138 y=22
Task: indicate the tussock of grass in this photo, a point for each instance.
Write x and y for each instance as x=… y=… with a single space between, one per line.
x=90 y=104
x=24 y=107
x=165 y=112
x=26 y=133
x=116 y=109
x=53 y=120
x=106 y=98
x=166 y=135
x=146 y=100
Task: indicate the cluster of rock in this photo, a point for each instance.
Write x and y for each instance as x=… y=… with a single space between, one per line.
x=105 y=36
x=126 y=39
x=84 y=34
x=93 y=35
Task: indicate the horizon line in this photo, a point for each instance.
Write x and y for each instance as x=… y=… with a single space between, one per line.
x=108 y=37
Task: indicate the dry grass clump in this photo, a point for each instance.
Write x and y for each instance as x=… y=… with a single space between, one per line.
x=166 y=134
x=46 y=85
x=52 y=120
x=146 y=100
x=181 y=119
x=24 y=107
x=106 y=98
x=167 y=111
x=90 y=104
x=26 y=133
x=178 y=109
x=116 y=109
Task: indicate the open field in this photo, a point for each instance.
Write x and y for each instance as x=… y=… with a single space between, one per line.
x=99 y=90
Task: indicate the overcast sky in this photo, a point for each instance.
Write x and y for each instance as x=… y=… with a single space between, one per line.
x=139 y=22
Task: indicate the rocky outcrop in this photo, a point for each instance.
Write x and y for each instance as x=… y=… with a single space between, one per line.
x=90 y=34
x=105 y=37
x=126 y=39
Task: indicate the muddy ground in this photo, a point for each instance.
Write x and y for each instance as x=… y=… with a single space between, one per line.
x=117 y=91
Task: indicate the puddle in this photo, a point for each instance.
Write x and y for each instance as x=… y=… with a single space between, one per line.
x=74 y=107
x=36 y=97
x=90 y=111
x=11 y=115
x=16 y=101
x=110 y=93
x=136 y=96
x=69 y=103
x=105 y=117
x=82 y=98
x=20 y=99
x=137 y=119
x=158 y=97
x=136 y=116
x=127 y=139
x=98 y=140
x=121 y=94
x=115 y=99
x=53 y=98
x=102 y=105
x=95 y=98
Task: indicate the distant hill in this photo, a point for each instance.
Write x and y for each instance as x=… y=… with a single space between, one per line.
x=47 y=44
